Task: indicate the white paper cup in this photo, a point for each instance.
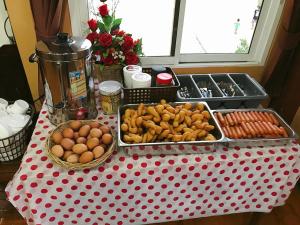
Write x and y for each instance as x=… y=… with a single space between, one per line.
x=5 y=130
x=128 y=71
x=3 y=104
x=19 y=107
x=141 y=80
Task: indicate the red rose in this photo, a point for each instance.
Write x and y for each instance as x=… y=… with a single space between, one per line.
x=105 y=40
x=92 y=37
x=120 y=33
x=128 y=43
x=103 y=10
x=136 y=42
x=93 y=24
x=114 y=32
x=108 y=60
x=131 y=58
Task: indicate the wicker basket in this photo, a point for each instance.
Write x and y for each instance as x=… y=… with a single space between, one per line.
x=78 y=166
x=14 y=146
x=152 y=94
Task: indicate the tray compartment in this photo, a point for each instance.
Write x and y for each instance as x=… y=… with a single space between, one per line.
x=254 y=142
x=184 y=147
x=252 y=89
x=186 y=82
x=204 y=82
x=230 y=90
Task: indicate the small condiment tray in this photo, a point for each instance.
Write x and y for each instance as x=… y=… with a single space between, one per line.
x=232 y=90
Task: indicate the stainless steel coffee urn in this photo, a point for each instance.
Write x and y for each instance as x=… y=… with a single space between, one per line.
x=65 y=65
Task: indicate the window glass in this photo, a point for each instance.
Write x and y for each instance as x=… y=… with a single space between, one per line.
x=215 y=26
x=150 y=20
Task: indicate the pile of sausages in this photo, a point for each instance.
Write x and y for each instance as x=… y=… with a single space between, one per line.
x=251 y=124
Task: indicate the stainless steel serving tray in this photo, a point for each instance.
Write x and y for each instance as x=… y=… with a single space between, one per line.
x=259 y=141
x=219 y=135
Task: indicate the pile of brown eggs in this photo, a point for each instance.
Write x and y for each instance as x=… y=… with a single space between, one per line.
x=81 y=142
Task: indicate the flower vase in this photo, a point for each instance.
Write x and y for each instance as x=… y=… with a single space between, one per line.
x=113 y=72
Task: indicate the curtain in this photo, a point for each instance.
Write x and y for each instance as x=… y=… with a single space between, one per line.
x=280 y=73
x=47 y=15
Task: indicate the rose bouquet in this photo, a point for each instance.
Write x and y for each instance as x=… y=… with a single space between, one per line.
x=112 y=46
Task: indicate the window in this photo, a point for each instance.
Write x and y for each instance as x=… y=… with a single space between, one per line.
x=193 y=31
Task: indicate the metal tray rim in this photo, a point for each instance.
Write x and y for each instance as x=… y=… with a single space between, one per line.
x=123 y=144
x=281 y=120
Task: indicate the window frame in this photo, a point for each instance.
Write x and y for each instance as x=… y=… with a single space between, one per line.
x=260 y=45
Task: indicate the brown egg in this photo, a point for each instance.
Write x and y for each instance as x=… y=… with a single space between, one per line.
x=68 y=133
x=84 y=131
x=57 y=150
x=107 y=139
x=79 y=148
x=76 y=135
x=94 y=124
x=86 y=157
x=92 y=143
x=75 y=125
x=95 y=132
x=98 y=151
x=73 y=158
x=67 y=143
x=81 y=140
x=105 y=129
x=57 y=137
x=67 y=154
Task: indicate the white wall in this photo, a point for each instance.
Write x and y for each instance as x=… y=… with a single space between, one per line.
x=3 y=15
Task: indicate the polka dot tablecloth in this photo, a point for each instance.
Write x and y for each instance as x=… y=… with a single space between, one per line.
x=150 y=189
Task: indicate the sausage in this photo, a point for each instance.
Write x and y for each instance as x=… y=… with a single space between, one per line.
x=251 y=124
x=265 y=119
x=242 y=117
x=230 y=135
x=246 y=117
x=234 y=119
x=268 y=117
x=275 y=121
x=242 y=133
x=252 y=131
x=225 y=131
x=285 y=134
x=257 y=130
x=221 y=118
x=245 y=128
x=274 y=129
x=238 y=132
x=258 y=126
x=250 y=117
x=258 y=116
x=254 y=116
x=270 y=131
x=237 y=116
x=229 y=119
x=234 y=134
x=218 y=121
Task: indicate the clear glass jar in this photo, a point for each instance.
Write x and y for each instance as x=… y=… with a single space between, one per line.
x=110 y=96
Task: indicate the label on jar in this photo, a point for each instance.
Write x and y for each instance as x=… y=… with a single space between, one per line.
x=78 y=84
x=110 y=103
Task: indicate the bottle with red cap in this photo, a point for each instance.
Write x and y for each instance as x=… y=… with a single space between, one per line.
x=164 y=79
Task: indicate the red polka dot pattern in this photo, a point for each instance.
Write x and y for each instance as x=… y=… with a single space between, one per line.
x=152 y=188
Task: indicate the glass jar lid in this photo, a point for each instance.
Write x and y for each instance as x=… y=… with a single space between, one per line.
x=110 y=87
x=63 y=48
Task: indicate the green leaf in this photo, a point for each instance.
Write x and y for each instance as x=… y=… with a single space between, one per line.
x=105 y=54
x=102 y=27
x=116 y=24
x=107 y=21
x=101 y=66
